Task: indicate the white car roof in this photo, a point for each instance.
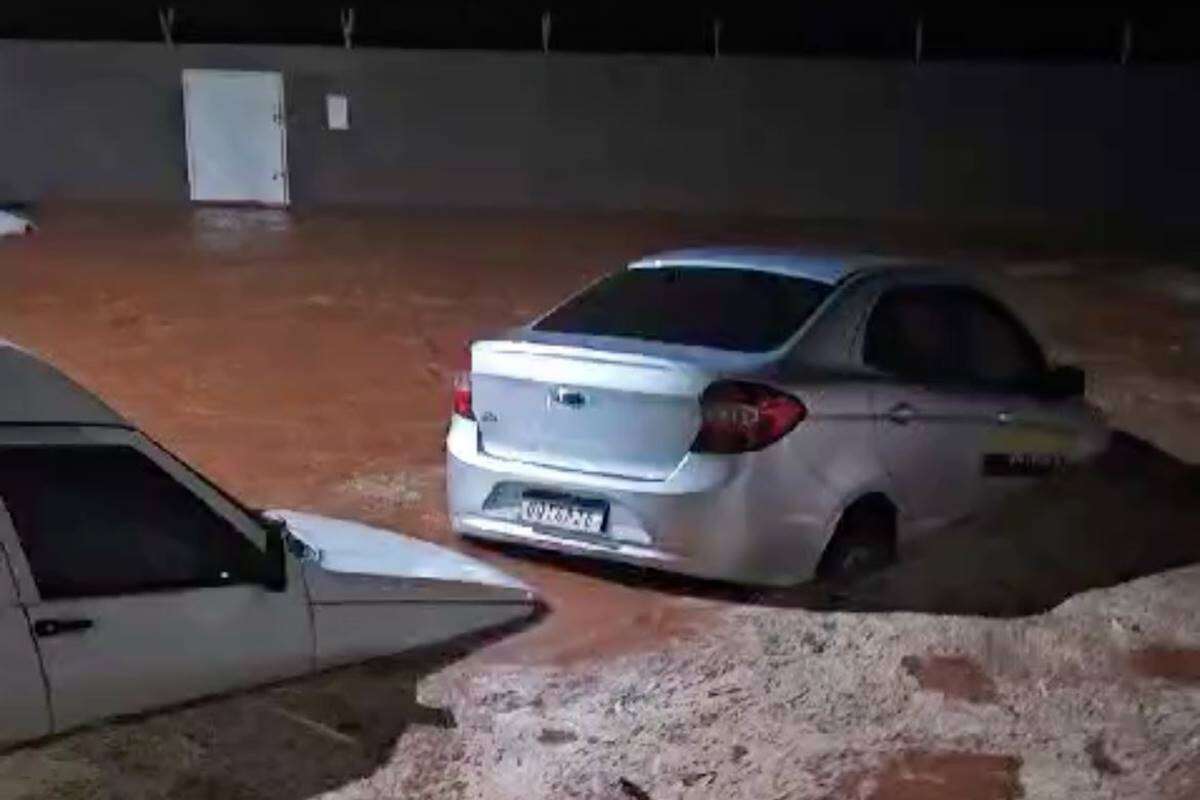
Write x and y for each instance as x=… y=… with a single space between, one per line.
x=823 y=267
x=32 y=392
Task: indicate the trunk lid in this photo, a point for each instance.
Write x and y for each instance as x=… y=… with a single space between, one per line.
x=579 y=405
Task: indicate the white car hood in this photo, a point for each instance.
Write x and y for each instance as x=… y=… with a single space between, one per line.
x=353 y=549
x=372 y=592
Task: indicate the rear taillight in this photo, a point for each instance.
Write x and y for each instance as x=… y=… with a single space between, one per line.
x=737 y=417
x=462 y=395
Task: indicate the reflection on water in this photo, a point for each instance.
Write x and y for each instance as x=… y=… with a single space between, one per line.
x=234 y=229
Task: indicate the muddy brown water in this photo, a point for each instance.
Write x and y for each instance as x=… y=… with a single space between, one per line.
x=955 y=677
x=921 y=775
x=302 y=359
x=1175 y=664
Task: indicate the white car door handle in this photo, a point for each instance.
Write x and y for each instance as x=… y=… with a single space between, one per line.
x=1004 y=417
x=901 y=414
x=56 y=627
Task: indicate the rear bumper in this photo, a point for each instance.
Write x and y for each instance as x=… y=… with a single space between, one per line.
x=728 y=517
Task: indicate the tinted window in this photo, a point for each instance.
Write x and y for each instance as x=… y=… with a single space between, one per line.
x=728 y=309
x=108 y=520
x=999 y=351
x=950 y=334
x=911 y=334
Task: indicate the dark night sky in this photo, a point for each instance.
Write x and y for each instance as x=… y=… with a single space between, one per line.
x=846 y=29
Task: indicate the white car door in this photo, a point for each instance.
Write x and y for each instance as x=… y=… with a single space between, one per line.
x=930 y=444
x=1034 y=434
x=931 y=424
x=146 y=585
x=1037 y=437
x=23 y=710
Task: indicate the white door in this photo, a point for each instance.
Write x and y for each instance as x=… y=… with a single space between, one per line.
x=146 y=586
x=23 y=710
x=236 y=136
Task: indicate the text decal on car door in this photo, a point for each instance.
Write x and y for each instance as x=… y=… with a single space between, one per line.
x=1024 y=452
x=1018 y=465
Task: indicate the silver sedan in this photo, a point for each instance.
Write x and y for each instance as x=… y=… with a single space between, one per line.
x=757 y=415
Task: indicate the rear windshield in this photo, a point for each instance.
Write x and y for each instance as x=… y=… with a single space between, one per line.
x=727 y=309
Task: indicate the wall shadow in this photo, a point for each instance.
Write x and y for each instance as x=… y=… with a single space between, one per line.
x=1134 y=512
x=289 y=741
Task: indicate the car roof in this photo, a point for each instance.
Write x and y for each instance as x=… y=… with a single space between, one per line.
x=802 y=263
x=32 y=392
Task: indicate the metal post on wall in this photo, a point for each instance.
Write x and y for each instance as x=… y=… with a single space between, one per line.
x=716 y=33
x=1126 y=42
x=166 y=23
x=547 y=24
x=919 y=40
x=348 y=27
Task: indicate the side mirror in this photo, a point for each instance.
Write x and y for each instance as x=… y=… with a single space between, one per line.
x=1061 y=383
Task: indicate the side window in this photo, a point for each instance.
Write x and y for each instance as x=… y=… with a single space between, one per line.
x=106 y=520
x=998 y=351
x=946 y=334
x=910 y=334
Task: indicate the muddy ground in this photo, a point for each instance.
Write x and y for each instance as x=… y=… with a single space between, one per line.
x=302 y=361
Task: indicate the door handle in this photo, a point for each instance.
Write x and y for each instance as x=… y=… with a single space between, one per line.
x=57 y=627
x=901 y=414
x=1004 y=417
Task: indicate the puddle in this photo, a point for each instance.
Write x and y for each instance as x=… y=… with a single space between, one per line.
x=924 y=775
x=955 y=677
x=1174 y=664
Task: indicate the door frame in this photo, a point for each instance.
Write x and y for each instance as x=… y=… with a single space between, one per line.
x=99 y=435
x=26 y=686
x=281 y=117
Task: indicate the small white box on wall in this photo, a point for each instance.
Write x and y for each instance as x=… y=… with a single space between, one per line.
x=337 y=112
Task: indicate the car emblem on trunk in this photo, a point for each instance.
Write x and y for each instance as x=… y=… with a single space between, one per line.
x=564 y=396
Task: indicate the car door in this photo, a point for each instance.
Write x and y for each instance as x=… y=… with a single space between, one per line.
x=1033 y=435
x=146 y=585
x=24 y=713
x=930 y=421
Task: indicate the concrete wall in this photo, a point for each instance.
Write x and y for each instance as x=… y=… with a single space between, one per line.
x=815 y=138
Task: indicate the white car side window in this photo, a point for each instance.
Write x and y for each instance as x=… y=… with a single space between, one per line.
x=98 y=520
x=999 y=352
x=950 y=334
x=910 y=334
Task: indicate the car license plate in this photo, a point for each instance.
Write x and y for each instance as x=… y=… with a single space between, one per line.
x=563 y=512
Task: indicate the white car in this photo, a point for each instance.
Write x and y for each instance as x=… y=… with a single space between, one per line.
x=757 y=415
x=129 y=582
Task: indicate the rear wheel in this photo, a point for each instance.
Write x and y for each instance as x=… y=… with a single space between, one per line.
x=864 y=542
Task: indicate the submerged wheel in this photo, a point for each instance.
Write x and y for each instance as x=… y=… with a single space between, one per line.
x=865 y=540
